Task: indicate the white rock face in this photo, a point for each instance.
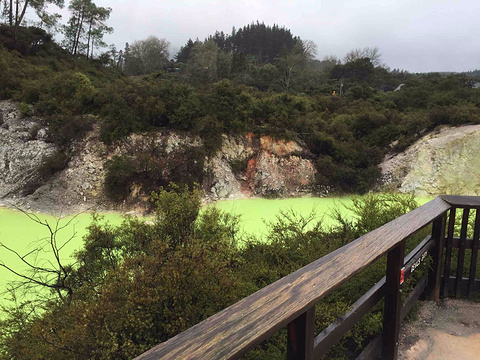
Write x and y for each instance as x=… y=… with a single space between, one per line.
x=21 y=151
x=443 y=162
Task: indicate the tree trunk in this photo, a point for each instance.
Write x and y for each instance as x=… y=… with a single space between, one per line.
x=79 y=32
x=10 y=13
x=18 y=21
x=75 y=35
x=89 y=36
x=15 y=28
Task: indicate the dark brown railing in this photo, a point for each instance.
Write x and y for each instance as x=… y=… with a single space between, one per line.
x=290 y=302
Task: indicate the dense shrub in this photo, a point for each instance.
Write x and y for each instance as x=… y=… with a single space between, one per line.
x=150 y=168
x=140 y=283
x=119 y=171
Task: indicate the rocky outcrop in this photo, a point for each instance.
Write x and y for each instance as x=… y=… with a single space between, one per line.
x=245 y=166
x=22 y=151
x=249 y=166
x=446 y=161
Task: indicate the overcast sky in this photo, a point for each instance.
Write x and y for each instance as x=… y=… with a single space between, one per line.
x=415 y=35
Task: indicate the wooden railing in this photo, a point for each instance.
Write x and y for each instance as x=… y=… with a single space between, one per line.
x=290 y=302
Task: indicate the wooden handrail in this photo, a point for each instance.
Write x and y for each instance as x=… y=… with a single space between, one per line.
x=462 y=201
x=232 y=332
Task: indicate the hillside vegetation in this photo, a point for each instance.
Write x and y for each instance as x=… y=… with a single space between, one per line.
x=347 y=132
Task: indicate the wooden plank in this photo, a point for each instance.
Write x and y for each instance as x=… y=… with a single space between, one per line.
x=473 y=262
x=300 y=336
x=420 y=255
x=233 y=331
x=464 y=284
x=448 y=252
x=456 y=243
x=373 y=349
x=413 y=297
x=462 y=201
x=435 y=271
x=393 y=303
x=336 y=330
x=461 y=251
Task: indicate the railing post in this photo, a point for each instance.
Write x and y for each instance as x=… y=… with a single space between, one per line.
x=393 y=302
x=473 y=262
x=301 y=336
x=448 y=252
x=435 y=271
x=461 y=252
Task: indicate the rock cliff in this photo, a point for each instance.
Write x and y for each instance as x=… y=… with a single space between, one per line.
x=22 y=150
x=245 y=166
x=446 y=161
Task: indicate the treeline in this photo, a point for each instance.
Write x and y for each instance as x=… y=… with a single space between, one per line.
x=265 y=43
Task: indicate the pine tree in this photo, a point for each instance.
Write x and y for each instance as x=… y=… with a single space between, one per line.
x=86 y=27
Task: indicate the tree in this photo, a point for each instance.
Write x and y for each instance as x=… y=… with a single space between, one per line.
x=115 y=58
x=292 y=64
x=184 y=53
x=87 y=22
x=309 y=49
x=357 y=70
x=15 y=11
x=146 y=56
x=203 y=63
x=51 y=275
x=97 y=27
x=327 y=63
x=367 y=52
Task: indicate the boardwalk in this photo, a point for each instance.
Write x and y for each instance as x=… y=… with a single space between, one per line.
x=449 y=330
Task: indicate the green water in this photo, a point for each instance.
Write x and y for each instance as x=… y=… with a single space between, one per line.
x=21 y=234
x=256 y=214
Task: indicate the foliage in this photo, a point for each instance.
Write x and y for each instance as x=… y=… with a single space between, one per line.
x=118 y=173
x=265 y=43
x=237 y=84
x=146 y=56
x=149 y=167
x=15 y=10
x=141 y=283
x=87 y=23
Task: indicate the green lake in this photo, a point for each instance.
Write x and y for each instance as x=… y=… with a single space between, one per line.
x=21 y=234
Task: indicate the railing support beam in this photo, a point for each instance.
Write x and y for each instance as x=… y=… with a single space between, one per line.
x=435 y=271
x=300 y=340
x=448 y=252
x=393 y=302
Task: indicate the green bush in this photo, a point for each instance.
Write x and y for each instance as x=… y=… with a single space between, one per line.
x=25 y=110
x=63 y=129
x=119 y=171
